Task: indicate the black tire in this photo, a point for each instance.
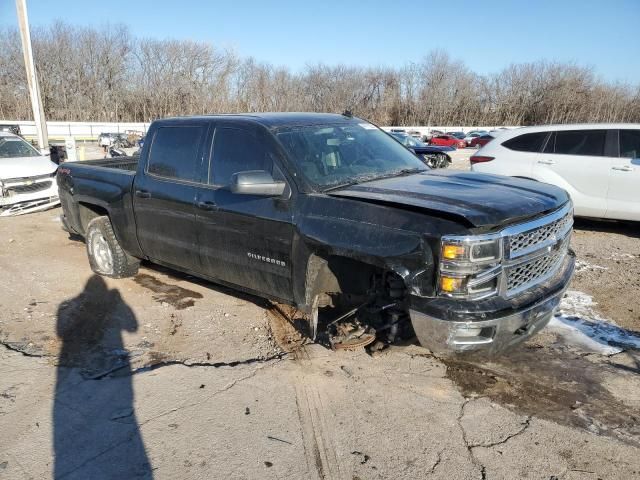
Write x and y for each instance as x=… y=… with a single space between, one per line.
x=102 y=245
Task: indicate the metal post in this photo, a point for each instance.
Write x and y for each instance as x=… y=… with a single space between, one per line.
x=32 y=78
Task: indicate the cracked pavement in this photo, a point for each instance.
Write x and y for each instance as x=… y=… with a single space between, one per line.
x=142 y=386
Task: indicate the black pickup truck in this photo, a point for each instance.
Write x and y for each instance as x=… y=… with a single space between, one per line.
x=333 y=216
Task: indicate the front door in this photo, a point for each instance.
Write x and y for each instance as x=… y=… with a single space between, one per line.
x=244 y=239
x=165 y=193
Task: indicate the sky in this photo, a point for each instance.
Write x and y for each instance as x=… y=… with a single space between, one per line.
x=486 y=35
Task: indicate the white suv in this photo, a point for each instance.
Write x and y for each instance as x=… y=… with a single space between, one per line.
x=598 y=164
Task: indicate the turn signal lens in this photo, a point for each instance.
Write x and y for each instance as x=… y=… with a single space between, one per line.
x=451 y=284
x=451 y=252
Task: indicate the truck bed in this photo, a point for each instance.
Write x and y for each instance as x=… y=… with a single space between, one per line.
x=121 y=163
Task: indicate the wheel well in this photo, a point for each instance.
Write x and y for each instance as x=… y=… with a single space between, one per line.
x=88 y=212
x=336 y=285
x=337 y=276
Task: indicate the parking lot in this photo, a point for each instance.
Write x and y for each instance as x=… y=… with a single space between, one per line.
x=193 y=380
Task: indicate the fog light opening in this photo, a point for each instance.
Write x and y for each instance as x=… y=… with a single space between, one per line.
x=469 y=334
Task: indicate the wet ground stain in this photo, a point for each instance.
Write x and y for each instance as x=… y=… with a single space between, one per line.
x=286 y=323
x=553 y=384
x=178 y=297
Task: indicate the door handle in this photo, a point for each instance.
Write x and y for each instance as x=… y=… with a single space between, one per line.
x=143 y=194
x=206 y=205
x=624 y=168
x=546 y=162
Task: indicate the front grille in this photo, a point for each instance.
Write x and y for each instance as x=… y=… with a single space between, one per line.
x=29 y=188
x=524 y=275
x=522 y=243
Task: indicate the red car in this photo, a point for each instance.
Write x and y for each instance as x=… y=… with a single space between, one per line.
x=447 y=141
x=480 y=141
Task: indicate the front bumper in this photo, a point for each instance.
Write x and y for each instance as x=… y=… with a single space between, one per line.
x=28 y=202
x=443 y=335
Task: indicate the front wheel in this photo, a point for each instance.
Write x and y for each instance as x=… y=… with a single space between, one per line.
x=106 y=256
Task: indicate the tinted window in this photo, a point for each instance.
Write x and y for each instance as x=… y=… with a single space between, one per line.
x=174 y=152
x=529 y=142
x=551 y=144
x=236 y=150
x=630 y=143
x=580 y=142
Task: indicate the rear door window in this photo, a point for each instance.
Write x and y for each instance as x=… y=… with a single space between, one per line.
x=174 y=152
x=529 y=142
x=630 y=143
x=580 y=142
x=236 y=150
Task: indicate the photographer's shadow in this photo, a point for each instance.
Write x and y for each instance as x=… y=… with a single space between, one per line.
x=95 y=431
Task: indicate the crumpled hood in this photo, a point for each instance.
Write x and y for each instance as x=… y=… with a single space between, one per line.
x=26 y=167
x=483 y=200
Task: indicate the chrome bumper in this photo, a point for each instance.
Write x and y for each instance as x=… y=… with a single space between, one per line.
x=489 y=336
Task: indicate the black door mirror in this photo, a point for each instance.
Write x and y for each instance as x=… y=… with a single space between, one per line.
x=256 y=182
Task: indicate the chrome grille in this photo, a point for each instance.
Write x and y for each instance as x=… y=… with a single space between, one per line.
x=29 y=188
x=521 y=276
x=522 y=243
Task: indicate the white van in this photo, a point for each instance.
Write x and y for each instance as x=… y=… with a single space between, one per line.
x=598 y=164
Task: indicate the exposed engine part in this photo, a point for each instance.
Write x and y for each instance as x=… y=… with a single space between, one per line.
x=350 y=334
x=383 y=317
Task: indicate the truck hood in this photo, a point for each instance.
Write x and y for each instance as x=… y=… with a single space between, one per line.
x=482 y=200
x=21 y=167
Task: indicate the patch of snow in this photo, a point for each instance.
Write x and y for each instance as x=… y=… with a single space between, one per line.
x=579 y=325
x=626 y=256
x=582 y=266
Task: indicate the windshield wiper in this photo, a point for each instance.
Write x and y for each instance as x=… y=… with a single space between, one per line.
x=397 y=173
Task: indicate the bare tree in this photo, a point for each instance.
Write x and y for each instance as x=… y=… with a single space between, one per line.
x=107 y=74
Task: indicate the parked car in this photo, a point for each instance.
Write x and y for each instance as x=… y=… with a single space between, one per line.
x=447 y=141
x=458 y=135
x=473 y=134
x=598 y=164
x=481 y=140
x=331 y=215
x=434 y=157
x=11 y=128
x=27 y=178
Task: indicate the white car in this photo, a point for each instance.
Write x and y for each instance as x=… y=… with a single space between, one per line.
x=473 y=134
x=27 y=179
x=597 y=164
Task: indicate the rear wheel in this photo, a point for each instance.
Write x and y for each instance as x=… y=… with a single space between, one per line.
x=106 y=256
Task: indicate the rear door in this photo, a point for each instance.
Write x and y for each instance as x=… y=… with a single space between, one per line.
x=165 y=192
x=527 y=146
x=624 y=192
x=576 y=161
x=245 y=239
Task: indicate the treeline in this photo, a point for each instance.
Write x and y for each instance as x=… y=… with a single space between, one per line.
x=107 y=74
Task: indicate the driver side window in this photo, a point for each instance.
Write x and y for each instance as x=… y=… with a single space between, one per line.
x=236 y=150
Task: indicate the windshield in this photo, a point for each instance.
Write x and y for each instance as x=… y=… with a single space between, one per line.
x=13 y=147
x=330 y=156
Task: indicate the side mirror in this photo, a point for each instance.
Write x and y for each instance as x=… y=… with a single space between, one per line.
x=256 y=182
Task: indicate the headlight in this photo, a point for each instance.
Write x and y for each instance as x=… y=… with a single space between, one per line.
x=469 y=266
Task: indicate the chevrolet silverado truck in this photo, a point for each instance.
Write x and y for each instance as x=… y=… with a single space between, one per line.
x=334 y=217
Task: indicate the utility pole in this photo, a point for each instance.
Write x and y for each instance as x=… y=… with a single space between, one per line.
x=32 y=78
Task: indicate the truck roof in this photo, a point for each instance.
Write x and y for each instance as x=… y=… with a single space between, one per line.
x=274 y=119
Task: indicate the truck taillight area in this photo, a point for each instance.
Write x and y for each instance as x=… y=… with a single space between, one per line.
x=480 y=159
